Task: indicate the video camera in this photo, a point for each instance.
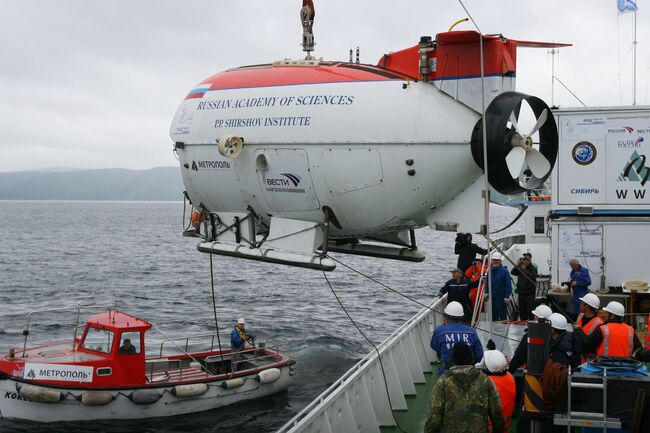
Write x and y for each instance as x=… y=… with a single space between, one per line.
x=460 y=242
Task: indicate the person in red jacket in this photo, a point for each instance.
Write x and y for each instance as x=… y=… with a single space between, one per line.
x=494 y=366
x=473 y=273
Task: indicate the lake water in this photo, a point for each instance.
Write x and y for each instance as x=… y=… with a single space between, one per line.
x=132 y=255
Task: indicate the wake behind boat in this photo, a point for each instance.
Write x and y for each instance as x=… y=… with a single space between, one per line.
x=107 y=374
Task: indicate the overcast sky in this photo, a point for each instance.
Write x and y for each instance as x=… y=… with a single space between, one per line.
x=94 y=84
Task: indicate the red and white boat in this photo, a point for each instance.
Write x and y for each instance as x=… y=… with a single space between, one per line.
x=100 y=376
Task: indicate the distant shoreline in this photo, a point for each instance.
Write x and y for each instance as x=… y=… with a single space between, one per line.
x=157 y=185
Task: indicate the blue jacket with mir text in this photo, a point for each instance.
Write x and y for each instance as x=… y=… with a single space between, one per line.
x=445 y=336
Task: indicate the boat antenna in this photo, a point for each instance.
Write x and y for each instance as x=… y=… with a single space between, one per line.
x=307 y=14
x=485 y=228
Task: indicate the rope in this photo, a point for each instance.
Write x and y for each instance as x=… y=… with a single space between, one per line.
x=407 y=296
x=381 y=365
x=214 y=309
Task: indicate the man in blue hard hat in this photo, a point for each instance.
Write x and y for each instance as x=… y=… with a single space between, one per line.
x=454 y=331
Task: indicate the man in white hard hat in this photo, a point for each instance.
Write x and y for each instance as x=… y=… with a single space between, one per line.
x=562 y=347
x=588 y=319
x=614 y=338
x=454 y=331
x=494 y=366
x=520 y=356
x=239 y=336
x=501 y=288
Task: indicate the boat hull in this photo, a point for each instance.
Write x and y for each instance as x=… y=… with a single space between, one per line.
x=70 y=408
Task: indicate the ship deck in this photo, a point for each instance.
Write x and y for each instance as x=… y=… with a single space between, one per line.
x=414 y=418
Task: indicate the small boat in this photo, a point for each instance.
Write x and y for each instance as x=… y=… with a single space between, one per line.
x=107 y=374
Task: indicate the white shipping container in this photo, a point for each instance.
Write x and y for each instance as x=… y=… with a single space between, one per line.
x=602 y=160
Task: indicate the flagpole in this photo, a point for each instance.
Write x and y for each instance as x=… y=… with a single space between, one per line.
x=634 y=98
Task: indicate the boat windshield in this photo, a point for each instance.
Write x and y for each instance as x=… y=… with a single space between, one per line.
x=98 y=340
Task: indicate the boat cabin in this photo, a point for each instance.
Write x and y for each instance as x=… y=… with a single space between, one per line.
x=110 y=353
x=119 y=338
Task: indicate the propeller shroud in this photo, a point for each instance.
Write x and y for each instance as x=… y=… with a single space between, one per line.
x=510 y=149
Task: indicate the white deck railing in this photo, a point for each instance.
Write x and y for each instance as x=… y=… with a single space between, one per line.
x=357 y=402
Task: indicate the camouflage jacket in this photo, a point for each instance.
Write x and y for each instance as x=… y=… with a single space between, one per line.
x=462 y=401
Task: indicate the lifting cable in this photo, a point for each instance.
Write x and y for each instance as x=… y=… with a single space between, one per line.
x=374 y=346
x=519 y=215
x=214 y=308
x=407 y=296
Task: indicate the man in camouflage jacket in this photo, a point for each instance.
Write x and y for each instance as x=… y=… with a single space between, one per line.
x=464 y=398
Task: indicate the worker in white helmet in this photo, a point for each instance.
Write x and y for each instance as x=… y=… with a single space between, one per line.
x=588 y=319
x=454 y=331
x=239 y=336
x=501 y=288
x=614 y=338
x=563 y=347
x=520 y=356
x=494 y=366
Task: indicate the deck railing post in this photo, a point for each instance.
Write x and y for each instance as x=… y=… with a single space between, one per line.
x=76 y=325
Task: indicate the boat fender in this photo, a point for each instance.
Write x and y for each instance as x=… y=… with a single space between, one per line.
x=40 y=394
x=268 y=376
x=145 y=396
x=191 y=390
x=233 y=383
x=96 y=398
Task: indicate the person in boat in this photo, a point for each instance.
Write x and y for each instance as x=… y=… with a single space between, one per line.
x=613 y=338
x=526 y=286
x=501 y=288
x=126 y=348
x=452 y=332
x=239 y=336
x=520 y=357
x=457 y=289
x=579 y=282
x=474 y=274
x=464 y=400
x=494 y=366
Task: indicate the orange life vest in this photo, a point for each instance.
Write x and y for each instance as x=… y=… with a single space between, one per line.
x=591 y=325
x=505 y=386
x=618 y=340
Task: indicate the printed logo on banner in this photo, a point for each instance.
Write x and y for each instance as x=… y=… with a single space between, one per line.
x=210 y=165
x=58 y=372
x=584 y=153
x=635 y=170
x=288 y=183
x=623 y=129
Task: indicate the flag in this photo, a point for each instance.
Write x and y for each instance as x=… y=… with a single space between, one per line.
x=625 y=6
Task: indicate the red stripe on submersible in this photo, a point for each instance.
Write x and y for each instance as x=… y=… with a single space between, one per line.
x=288 y=75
